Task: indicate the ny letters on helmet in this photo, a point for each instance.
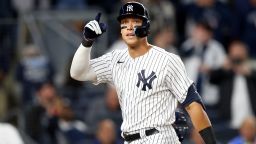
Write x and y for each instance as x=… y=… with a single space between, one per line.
x=129 y=8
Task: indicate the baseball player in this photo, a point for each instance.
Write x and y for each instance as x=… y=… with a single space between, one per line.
x=150 y=82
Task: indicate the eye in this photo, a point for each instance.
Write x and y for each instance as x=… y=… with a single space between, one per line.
x=124 y=22
x=137 y=21
x=123 y=26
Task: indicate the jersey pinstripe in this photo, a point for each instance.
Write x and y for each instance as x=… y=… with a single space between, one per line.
x=149 y=87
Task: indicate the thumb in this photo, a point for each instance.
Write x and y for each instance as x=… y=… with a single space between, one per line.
x=97 y=18
x=103 y=27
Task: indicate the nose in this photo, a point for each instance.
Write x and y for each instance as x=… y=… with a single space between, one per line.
x=130 y=26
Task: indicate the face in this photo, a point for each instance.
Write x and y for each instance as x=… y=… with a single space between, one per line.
x=248 y=129
x=238 y=51
x=106 y=132
x=127 y=31
x=47 y=95
x=200 y=34
x=164 y=38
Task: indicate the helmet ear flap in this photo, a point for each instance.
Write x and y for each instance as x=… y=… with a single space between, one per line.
x=142 y=31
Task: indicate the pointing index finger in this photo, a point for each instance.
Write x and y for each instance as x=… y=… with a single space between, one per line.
x=97 y=18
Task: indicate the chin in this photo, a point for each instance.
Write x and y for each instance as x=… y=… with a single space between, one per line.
x=131 y=42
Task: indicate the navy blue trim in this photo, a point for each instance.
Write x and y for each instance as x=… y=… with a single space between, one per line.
x=192 y=96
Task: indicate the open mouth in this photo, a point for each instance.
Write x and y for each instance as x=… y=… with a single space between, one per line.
x=130 y=34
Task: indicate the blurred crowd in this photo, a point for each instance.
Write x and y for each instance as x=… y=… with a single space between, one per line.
x=216 y=40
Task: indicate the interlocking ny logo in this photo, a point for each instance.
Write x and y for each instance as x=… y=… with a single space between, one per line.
x=129 y=8
x=147 y=82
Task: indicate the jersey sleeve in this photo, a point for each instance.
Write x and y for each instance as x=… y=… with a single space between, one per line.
x=177 y=79
x=102 y=66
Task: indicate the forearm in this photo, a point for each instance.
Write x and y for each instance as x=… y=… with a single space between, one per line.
x=80 y=64
x=80 y=67
x=198 y=116
x=201 y=122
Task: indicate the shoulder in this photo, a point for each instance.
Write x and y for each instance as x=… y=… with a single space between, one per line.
x=161 y=51
x=165 y=54
x=214 y=44
x=119 y=51
x=216 y=49
x=115 y=54
x=118 y=54
x=167 y=57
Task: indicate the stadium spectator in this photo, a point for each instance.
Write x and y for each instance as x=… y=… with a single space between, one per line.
x=40 y=125
x=103 y=108
x=106 y=133
x=245 y=27
x=165 y=38
x=7 y=54
x=73 y=90
x=26 y=6
x=161 y=13
x=201 y=53
x=217 y=14
x=7 y=37
x=33 y=69
x=52 y=121
x=247 y=132
x=237 y=83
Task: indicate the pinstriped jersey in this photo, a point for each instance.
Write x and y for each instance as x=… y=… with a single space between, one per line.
x=148 y=87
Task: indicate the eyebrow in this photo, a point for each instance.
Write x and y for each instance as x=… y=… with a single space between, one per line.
x=133 y=19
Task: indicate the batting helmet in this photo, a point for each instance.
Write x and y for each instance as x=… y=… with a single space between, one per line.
x=136 y=9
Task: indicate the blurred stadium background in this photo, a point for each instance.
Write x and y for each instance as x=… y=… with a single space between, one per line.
x=41 y=104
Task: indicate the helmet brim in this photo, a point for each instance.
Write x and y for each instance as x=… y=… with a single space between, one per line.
x=131 y=15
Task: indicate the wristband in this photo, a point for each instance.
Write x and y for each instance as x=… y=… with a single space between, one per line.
x=87 y=43
x=208 y=135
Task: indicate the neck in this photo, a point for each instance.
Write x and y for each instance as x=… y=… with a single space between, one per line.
x=139 y=50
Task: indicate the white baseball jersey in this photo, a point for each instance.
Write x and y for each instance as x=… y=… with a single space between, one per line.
x=149 y=86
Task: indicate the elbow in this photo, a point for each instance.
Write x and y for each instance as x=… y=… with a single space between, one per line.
x=81 y=76
x=75 y=75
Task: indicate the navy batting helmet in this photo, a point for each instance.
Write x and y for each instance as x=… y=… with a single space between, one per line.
x=136 y=9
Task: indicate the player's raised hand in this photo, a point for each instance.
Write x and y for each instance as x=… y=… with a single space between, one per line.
x=94 y=28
